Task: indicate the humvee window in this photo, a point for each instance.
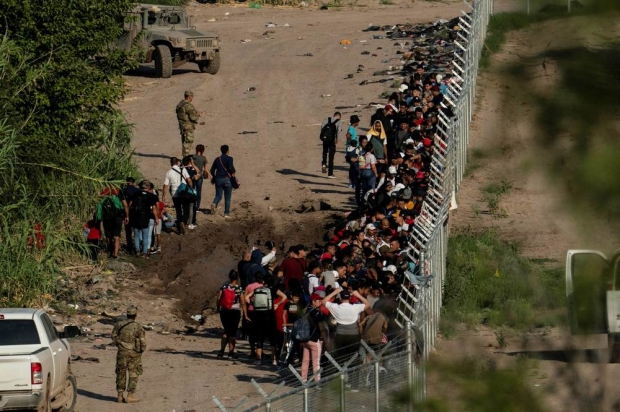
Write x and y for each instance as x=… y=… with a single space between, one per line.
x=174 y=19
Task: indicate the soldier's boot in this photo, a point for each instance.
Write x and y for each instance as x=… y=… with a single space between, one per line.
x=120 y=398
x=131 y=399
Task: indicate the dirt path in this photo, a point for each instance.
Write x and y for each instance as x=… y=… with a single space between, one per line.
x=279 y=168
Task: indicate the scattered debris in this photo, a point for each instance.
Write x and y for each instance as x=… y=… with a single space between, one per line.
x=378 y=37
x=276 y=122
x=365 y=52
x=197 y=318
x=306 y=55
x=245 y=41
x=300 y=38
x=271 y=25
x=349 y=76
x=326 y=95
x=286 y=25
x=324 y=7
x=314 y=207
x=227 y=14
x=345 y=42
x=267 y=198
x=360 y=68
x=103 y=346
x=251 y=89
x=373 y=55
x=255 y=6
x=303 y=4
x=363 y=41
x=211 y=20
x=75 y=358
x=268 y=32
x=248 y=132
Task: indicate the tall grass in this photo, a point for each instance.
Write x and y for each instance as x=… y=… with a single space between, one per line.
x=489 y=282
x=44 y=203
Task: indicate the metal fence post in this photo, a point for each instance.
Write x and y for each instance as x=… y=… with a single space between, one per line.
x=377 y=386
x=410 y=365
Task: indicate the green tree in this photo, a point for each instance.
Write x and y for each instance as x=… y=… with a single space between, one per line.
x=67 y=107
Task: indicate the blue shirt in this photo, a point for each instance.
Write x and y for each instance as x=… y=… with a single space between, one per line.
x=222 y=166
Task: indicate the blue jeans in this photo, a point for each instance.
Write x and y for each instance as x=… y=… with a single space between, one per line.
x=222 y=185
x=143 y=235
x=198 y=187
x=368 y=179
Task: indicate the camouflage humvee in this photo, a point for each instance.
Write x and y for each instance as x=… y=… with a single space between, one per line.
x=167 y=37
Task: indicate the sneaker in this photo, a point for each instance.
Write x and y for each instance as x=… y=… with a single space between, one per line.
x=213 y=208
x=155 y=251
x=191 y=227
x=257 y=362
x=324 y=169
x=227 y=217
x=331 y=177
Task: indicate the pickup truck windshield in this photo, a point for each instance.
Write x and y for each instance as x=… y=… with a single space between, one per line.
x=18 y=332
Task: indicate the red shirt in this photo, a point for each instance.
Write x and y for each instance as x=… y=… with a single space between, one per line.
x=94 y=232
x=279 y=312
x=293 y=268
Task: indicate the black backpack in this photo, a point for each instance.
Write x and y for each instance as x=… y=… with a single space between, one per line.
x=329 y=131
x=140 y=211
x=109 y=211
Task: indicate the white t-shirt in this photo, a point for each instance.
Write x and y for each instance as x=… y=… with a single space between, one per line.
x=345 y=313
x=370 y=160
x=313 y=282
x=173 y=179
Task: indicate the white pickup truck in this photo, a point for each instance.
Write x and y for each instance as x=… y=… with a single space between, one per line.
x=35 y=365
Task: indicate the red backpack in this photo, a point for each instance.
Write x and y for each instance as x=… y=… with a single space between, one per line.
x=227 y=299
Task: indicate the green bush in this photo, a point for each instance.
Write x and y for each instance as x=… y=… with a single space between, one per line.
x=488 y=282
x=47 y=195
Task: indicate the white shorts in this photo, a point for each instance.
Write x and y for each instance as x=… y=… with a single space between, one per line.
x=158 y=227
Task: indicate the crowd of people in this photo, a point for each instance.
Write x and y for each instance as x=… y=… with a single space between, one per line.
x=141 y=208
x=329 y=299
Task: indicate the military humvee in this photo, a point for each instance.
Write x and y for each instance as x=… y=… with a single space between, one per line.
x=167 y=37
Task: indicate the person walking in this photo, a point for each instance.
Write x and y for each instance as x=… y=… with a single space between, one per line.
x=174 y=177
x=143 y=216
x=222 y=170
x=188 y=118
x=200 y=164
x=229 y=305
x=330 y=128
x=129 y=338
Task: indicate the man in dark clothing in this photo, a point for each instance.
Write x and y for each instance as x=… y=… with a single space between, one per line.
x=130 y=190
x=200 y=164
x=384 y=116
x=245 y=260
x=330 y=128
x=223 y=171
x=254 y=267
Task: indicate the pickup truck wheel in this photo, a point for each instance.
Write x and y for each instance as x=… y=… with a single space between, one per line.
x=211 y=66
x=69 y=394
x=163 y=61
x=46 y=402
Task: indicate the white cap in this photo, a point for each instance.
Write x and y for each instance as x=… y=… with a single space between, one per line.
x=397 y=188
x=403 y=87
x=439 y=77
x=390 y=268
x=392 y=170
x=370 y=226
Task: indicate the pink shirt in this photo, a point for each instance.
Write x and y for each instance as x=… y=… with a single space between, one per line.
x=251 y=288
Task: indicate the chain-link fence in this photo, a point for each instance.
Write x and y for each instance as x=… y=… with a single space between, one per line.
x=392 y=376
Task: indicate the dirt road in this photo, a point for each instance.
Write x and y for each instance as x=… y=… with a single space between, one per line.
x=279 y=167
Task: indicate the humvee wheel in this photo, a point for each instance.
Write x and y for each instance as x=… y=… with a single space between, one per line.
x=163 y=61
x=211 y=66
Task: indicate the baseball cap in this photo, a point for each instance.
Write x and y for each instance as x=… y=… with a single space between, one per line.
x=315 y=296
x=403 y=87
x=391 y=268
x=345 y=295
x=370 y=226
x=392 y=170
x=427 y=142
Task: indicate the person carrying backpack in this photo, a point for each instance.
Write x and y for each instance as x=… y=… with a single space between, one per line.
x=143 y=215
x=309 y=334
x=259 y=314
x=330 y=128
x=311 y=280
x=229 y=305
x=113 y=210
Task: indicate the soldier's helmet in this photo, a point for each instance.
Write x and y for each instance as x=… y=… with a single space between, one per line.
x=132 y=311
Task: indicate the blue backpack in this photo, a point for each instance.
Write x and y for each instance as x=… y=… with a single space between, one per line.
x=302 y=330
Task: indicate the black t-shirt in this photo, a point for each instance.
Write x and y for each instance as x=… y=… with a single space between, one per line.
x=294 y=311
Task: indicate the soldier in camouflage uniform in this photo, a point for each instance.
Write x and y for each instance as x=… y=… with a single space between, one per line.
x=188 y=117
x=128 y=336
